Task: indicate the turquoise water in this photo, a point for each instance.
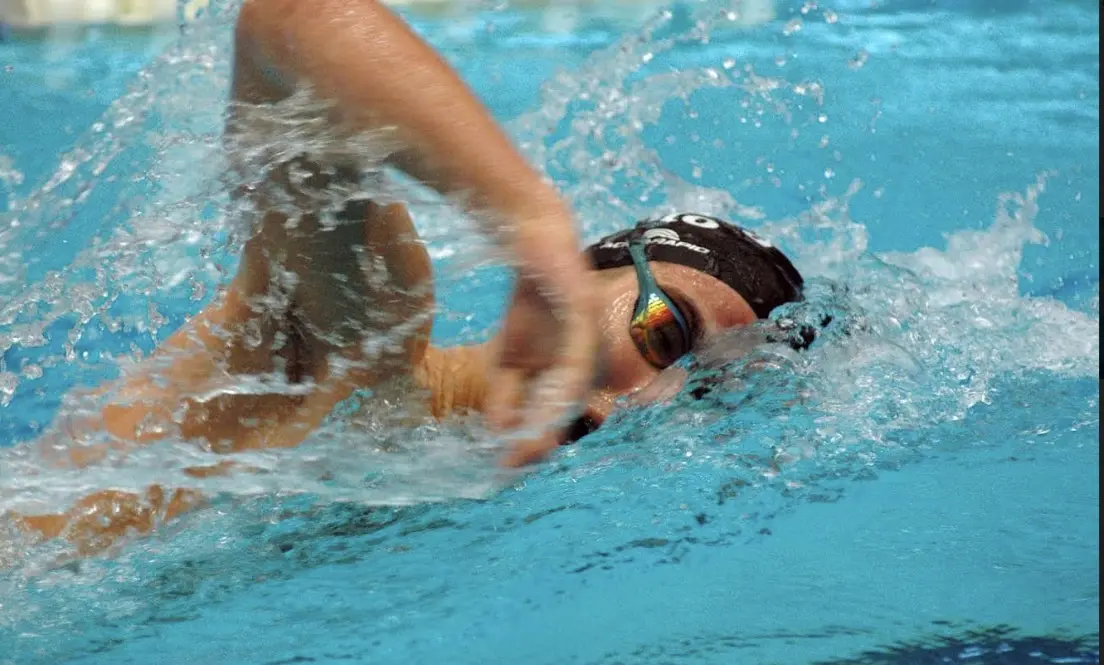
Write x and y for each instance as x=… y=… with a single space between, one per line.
x=922 y=490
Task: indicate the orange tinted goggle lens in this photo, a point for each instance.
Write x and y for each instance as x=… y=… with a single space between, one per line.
x=658 y=334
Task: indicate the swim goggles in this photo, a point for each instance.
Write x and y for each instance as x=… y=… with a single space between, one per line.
x=659 y=329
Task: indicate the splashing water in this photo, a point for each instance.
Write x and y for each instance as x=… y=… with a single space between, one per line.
x=921 y=342
x=923 y=336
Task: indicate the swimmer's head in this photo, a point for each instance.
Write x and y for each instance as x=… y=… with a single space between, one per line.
x=743 y=261
x=669 y=284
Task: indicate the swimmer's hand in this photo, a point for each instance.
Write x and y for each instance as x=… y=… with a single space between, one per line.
x=549 y=342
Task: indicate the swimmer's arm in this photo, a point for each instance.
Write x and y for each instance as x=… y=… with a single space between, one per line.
x=454 y=379
x=379 y=74
x=101 y=519
x=164 y=398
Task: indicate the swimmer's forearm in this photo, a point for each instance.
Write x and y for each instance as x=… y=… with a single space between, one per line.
x=99 y=520
x=380 y=74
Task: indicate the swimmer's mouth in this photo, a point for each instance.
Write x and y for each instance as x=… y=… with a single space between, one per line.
x=583 y=425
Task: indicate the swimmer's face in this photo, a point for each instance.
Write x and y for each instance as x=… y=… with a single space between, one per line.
x=710 y=306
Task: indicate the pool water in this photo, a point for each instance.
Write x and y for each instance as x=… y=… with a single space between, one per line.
x=920 y=487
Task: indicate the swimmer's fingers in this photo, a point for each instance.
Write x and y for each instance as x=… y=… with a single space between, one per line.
x=526 y=346
x=549 y=345
x=551 y=402
x=512 y=366
x=531 y=451
x=504 y=399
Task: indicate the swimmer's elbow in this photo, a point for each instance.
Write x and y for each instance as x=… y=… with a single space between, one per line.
x=274 y=37
x=268 y=14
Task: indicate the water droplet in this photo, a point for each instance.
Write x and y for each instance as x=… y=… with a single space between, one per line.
x=822 y=118
x=8 y=384
x=792 y=26
x=729 y=63
x=830 y=16
x=829 y=173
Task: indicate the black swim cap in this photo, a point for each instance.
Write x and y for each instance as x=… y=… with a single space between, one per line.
x=748 y=264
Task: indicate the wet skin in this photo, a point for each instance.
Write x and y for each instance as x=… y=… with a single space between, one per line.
x=452 y=379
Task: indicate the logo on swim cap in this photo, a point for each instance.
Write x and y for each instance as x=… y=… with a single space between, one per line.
x=656 y=234
x=746 y=262
x=762 y=242
x=700 y=221
x=671 y=238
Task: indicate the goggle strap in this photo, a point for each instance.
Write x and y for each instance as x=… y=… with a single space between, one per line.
x=649 y=288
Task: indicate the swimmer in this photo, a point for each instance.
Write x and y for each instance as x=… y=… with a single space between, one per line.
x=309 y=299
x=665 y=286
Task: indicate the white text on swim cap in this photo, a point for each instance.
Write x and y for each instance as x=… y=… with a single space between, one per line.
x=659 y=237
x=700 y=221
